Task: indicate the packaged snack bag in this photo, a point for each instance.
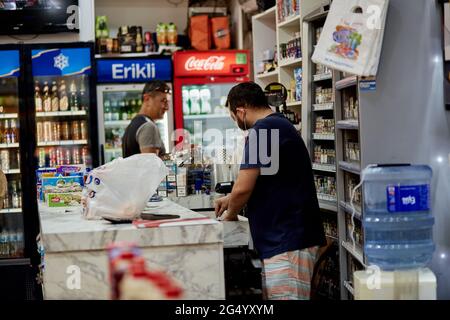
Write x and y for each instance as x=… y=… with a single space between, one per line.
x=199 y=32
x=221 y=32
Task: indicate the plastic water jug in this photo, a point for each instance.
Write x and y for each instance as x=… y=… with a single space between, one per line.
x=397 y=216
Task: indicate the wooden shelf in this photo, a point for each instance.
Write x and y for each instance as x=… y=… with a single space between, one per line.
x=348 y=125
x=293 y=103
x=322 y=77
x=346 y=83
x=290 y=22
x=290 y=62
x=266 y=75
x=266 y=15
x=350 y=167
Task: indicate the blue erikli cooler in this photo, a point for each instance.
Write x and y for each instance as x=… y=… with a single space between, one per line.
x=397 y=216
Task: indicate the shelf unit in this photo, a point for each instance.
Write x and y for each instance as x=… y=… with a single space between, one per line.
x=61 y=114
x=62 y=143
x=269 y=34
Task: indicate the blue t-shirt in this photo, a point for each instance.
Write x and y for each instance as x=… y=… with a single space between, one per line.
x=283 y=210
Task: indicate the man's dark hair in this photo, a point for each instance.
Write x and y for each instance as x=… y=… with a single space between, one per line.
x=154 y=86
x=248 y=95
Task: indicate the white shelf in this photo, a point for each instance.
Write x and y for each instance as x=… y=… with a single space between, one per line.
x=117 y=123
x=322 y=136
x=266 y=75
x=10 y=145
x=62 y=143
x=356 y=252
x=290 y=62
x=324 y=167
x=9 y=116
x=327 y=197
x=347 y=82
x=323 y=107
x=12 y=210
x=206 y=116
x=293 y=103
x=350 y=167
x=349 y=287
x=290 y=22
x=323 y=76
x=61 y=113
x=328 y=205
x=12 y=171
x=266 y=15
x=348 y=208
x=348 y=125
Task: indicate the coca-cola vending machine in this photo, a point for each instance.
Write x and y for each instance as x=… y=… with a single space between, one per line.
x=202 y=81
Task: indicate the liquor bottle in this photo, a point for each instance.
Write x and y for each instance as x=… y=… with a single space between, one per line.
x=38 y=98
x=63 y=99
x=73 y=100
x=46 y=100
x=82 y=99
x=108 y=114
x=139 y=42
x=7 y=133
x=54 y=96
x=13 y=132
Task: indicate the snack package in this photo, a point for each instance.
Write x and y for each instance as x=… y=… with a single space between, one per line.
x=221 y=32
x=58 y=200
x=62 y=185
x=298 y=83
x=199 y=32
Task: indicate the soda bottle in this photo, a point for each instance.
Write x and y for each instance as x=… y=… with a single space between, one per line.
x=65 y=131
x=75 y=130
x=205 y=97
x=172 y=35
x=149 y=44
x=83 y=130
x=194 y=96
x=107 y=114
x=186 y=101
x=83 y=102
x=161 y=33
x=54 y=96
x=38 y=98
x=63 y=99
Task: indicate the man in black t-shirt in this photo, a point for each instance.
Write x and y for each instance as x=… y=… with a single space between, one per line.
x=142 y=134
x=277 y=185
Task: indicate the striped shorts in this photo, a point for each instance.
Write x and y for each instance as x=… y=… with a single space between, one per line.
x=288 y=276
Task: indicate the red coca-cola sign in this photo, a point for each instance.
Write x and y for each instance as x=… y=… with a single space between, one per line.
x=213 y=63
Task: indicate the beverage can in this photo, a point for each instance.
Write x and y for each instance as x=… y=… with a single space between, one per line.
x=47 y=131
x=84 y=156
x=59 y=157
x=54 y=136
x=65 y=131
x=41 y=157
x=75 y=130
x=76 y=155
x=67 y=156
x=40 y=131
x=83 y=130
x=52 y=157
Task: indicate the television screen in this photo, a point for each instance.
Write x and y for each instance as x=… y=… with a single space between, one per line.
x=38 y=16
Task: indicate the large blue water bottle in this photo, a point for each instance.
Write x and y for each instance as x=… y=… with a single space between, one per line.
x=397 y=216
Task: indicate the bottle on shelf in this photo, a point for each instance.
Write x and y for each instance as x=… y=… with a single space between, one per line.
x=20 y=247
x=194 y=95
x=14 y=132
x=124 y=110
x=73 y=101
x=54 y=97
x=15 y=196
x=186 y=101
x=4 y=246
x=139 y=42
x=46 y=100
x=205 y=98
x=7 y=132
x=38 y=98
x=63 y=99
x=83 y=96
x=108 y=113
x=83 y=130
x=115 y=111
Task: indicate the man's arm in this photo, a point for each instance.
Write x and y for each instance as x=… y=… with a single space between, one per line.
x=147 y=138
x=242 y=190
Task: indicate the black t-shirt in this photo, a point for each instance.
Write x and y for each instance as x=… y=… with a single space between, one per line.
x=283 y=210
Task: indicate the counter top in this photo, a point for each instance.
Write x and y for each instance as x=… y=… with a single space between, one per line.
x=65 y=229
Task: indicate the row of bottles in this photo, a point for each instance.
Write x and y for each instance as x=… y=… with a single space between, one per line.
x=11 y=243
x=123 y=109
x=55 y=97
x=9 y=159
x=196 y=100
x=13 y=199
x=8 y=131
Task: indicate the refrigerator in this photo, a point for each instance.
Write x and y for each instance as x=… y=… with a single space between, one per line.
x=202 y=81
x=119 y=94
x=48 y=117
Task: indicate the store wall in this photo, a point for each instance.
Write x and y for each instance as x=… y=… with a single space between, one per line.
x=404 y=120
x=143 y=13
x=87 y=29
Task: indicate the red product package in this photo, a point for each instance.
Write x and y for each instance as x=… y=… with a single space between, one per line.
x=199 y=32
x=221 y=32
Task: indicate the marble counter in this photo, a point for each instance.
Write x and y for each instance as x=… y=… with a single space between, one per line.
x=192 y=252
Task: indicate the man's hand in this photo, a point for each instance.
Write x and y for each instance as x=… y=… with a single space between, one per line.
x=221 y=205
x=229 y=217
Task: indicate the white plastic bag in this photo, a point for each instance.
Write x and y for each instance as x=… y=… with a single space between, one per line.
x=120 y=190
x=351 y=40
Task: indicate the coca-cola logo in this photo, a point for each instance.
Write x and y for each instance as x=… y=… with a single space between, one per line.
x=212 y=63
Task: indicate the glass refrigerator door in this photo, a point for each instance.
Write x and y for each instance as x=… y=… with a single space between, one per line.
x=120 y=104
x=11 y=218
x=62 y=104
x=204 y=110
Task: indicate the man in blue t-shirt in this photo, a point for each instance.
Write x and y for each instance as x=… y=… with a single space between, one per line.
x=276 y=183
